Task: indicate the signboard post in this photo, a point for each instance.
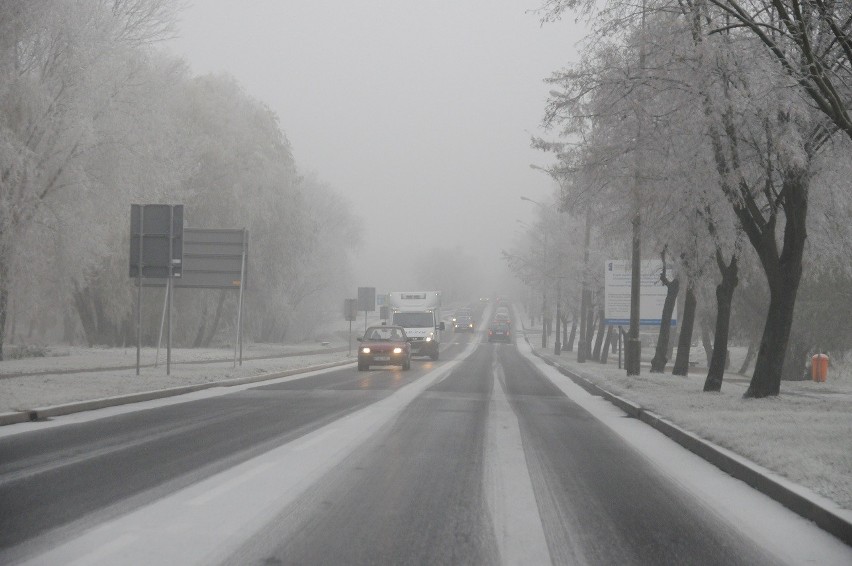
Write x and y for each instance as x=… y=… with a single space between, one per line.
x=350 y=313
x=156 y=250
x=239 y=329
x=213 y=258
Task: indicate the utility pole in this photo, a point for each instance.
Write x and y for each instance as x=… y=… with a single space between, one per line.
x=633 y=352
x=585 y=298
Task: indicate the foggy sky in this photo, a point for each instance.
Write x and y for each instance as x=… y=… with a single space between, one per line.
x=421 y=112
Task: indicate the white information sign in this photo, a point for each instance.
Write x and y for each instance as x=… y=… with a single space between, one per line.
x=617 y=292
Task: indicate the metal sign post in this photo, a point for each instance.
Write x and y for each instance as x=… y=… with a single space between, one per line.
x=239 y=339
x=160 y=334
x=169 y=291
x=350 y=313
x=156 y=250
x=139 y=283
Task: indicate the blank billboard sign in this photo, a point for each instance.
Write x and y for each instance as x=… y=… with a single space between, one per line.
x=212 y=259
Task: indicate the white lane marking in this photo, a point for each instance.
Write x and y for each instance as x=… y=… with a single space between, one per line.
x=234 y=483
x=510 y=496
x=106 y=551
x=208 y=521
x=318 y=438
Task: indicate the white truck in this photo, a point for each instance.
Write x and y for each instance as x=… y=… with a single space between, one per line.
x=419 y=312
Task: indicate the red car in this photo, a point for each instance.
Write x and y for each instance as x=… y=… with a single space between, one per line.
x=384 y=345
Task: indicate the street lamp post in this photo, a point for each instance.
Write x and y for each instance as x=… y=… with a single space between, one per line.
x=633 y=354
x=585 y=299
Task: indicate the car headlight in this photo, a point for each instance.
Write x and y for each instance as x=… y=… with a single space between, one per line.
x=397 y=350
x=365 y=350
x=428 y=338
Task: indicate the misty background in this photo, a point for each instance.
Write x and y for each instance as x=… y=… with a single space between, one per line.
x=419 y=113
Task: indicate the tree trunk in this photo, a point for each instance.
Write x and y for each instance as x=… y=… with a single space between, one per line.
x=769 y=366
x=783 y=273
x=128 y=331
x=752 y=350
x=215 y=326
x=681 y=365
x=570 y=346
x=202 y=326
x=87 y=319
x=590 y=330
x=4 y=304
x=596 y=354
x=68 y=328
x=658 y=363
x=797 y=362
x=606 y=345
x=724 y=298
x=706 y=341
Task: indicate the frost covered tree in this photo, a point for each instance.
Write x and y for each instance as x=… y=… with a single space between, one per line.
x=94 y=117
x=811 y=40
x=60 y=71
x=764 y=137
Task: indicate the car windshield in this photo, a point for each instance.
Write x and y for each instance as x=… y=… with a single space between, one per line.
x=414 y=319
x=383 y=333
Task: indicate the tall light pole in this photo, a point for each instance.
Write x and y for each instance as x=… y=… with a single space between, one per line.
x=633 y=354
x=585 y=297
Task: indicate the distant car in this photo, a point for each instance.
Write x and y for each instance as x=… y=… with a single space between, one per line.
x=499 y=331
x=462 y=312
x=463 y=323
x=502 y=317
x=384 y=345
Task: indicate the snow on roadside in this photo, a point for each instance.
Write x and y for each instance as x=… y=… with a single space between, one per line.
x=32 y=391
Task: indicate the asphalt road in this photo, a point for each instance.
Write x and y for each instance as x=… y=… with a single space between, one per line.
x=489 y=463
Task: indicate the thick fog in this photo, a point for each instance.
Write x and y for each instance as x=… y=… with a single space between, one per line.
x=421 y=113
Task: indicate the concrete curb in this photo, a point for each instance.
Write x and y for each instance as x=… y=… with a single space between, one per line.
x=786 y=493
x=14 y=417
x=68 y=408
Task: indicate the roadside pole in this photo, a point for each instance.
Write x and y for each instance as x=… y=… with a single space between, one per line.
x=139 y=290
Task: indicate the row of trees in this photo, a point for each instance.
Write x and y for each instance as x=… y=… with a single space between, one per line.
x=93 y=118
x=717 y=133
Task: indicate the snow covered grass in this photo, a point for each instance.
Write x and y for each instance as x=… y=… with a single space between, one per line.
x=32 y=391
x=804 y=434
